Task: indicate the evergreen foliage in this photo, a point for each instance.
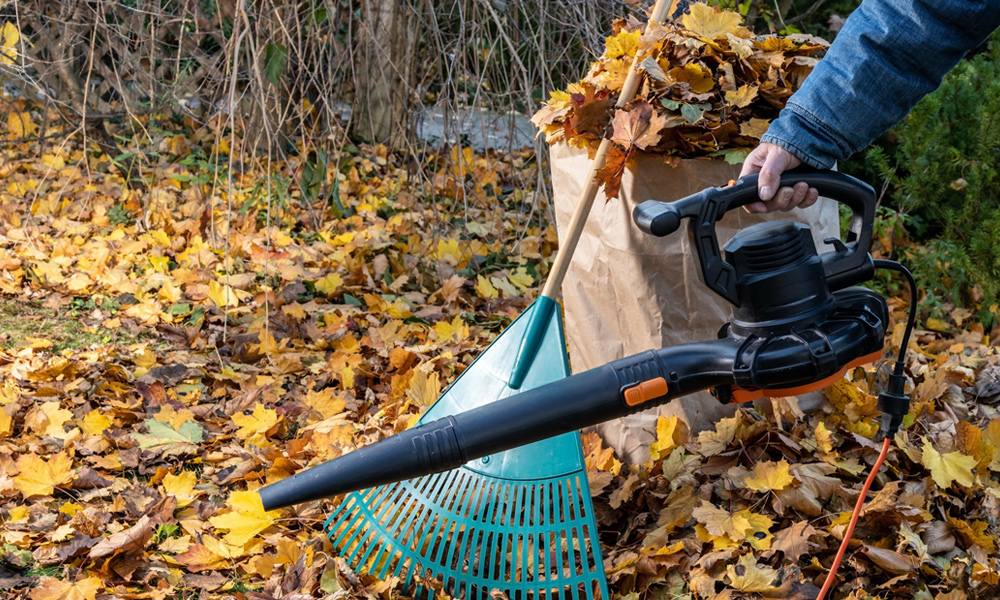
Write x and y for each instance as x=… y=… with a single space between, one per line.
x=944 y=170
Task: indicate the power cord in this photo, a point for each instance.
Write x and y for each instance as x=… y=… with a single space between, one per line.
x=894 y=405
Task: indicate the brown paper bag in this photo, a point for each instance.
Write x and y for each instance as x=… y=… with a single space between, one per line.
x=627 y=292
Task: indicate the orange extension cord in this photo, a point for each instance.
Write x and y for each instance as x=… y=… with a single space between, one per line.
x=832 y=576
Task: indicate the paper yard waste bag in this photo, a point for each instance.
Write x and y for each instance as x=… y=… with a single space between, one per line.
x=627 y=292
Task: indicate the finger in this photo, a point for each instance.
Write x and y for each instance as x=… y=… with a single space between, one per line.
x=781 y=199
x=759 y=207
x=770 y=175
x=754 y=161
x=811 y=198
x=799 y=192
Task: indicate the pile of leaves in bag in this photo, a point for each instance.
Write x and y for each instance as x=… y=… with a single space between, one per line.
x=710 y=88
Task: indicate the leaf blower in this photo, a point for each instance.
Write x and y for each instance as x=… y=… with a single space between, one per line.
x=797 y=326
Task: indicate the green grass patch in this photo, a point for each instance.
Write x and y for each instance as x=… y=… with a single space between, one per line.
x=28 y=323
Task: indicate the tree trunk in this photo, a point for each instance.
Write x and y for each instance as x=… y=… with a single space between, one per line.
x=382 y=71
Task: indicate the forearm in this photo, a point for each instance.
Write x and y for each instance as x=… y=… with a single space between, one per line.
x=888 y=56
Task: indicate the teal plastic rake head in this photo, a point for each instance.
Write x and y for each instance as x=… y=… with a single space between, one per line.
x=521 y=521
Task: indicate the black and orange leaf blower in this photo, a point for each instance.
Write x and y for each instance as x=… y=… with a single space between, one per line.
x=798 y=325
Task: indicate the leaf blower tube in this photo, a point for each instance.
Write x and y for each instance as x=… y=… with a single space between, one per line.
x=852 y=328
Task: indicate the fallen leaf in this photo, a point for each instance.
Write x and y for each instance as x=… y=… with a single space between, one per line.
x=948 y=468
x=769 y=477
x=50 y=588
x=245 y=519
x=38 y=477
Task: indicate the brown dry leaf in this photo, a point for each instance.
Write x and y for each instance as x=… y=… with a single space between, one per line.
x=610 y=175
x=793 y=541
x=893 y=562
x=629 y=125
x=128 y=541
x=590 y=112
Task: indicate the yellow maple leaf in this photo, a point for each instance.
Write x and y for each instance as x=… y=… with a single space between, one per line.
x=39 y=477
x=245 y=519
x=222 y=295
x=424 y=388
x=268 y=345
x=704 y=21
x=698 y=77
x=10 y=36
x=719 y=542
x=742 y=96
x=329 y=285
x=181 y=487
x=755 y=127
x=256 y=425
x=70 y=508
x=295 y=311
x=666 y=437
x=21 y=125
x=457 y=329
x=824 y=437
x=485 y=289
x=50 y=588
x=720 y=522
x=747 y=576
x=946 y=468
x=714 y=442
x=95 y=422
x=624 y=43
x=55 y=419
x=759 y=536
x=521 y=278
x=6 y=423
x=975 y=532
x=19 y=514
x=325 y=402
x=9 y=392
x=770 y=477
x=53 y=160
x=173 y=417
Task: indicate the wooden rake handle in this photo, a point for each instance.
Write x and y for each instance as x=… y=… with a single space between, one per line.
x=589 y=192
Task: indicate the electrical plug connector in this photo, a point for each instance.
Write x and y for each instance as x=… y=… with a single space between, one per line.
x=894 y=405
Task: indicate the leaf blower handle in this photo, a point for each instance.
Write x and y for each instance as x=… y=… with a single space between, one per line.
x=847 y=265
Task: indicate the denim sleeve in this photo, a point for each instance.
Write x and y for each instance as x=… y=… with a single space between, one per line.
x=889 y=55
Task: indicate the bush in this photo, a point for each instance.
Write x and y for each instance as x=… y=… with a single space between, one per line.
x=942 y=168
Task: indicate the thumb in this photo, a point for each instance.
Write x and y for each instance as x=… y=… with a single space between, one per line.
x=775 y=163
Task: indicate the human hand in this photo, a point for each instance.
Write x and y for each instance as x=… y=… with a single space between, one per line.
x=771 y=161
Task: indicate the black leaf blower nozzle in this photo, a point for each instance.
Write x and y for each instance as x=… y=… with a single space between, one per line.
x=797 y=324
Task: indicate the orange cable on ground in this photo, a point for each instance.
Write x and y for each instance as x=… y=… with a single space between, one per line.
x=832 y=576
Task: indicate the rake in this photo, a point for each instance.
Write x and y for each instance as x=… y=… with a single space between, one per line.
x=519 y=522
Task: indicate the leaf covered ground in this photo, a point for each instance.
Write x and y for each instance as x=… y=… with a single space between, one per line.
x=169 y=348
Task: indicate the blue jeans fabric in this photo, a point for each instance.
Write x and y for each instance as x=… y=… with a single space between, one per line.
x=889 y=55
